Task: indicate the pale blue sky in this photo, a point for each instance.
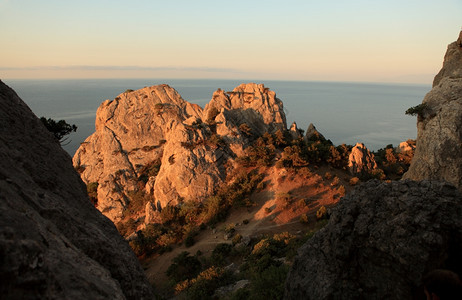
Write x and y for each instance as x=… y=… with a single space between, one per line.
x=379 y=41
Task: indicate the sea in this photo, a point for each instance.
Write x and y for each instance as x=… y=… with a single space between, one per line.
x=344 y=112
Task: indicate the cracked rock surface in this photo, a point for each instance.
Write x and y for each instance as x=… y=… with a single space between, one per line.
x=439 y=126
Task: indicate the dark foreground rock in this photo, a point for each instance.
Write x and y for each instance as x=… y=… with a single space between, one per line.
x=53 y=243
x=380 y=241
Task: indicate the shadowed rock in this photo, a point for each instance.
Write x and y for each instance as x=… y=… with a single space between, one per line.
x=53 y=243
x=380 y=241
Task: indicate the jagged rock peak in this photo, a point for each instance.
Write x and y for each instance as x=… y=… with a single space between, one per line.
x=312 y=134
x=379 y=236
x=439 y=125
x=361 y=161
x=54 y=243
x=452 y=62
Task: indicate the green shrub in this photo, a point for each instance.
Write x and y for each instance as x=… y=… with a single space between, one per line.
x=184 y=267
x=269 y=283
x=169 y=214
x=221 y=254
x=237 y=239
x=205 y=284
x=137 y=200
x=59 y=129
x=321 y=213
x=92 y=191
x=189 y=241
x=417 y=110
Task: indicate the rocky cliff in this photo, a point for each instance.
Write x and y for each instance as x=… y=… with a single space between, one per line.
x=380 y=241
x=53 y=243
x=153 y=140
x=439 y=125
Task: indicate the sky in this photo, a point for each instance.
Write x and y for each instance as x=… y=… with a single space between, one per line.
x=331 y=40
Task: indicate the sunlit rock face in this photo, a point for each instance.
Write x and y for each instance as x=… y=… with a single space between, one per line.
x=439 y=125
x=155 y=126
x=248 y=111
x=361 y=161
x=53 y=243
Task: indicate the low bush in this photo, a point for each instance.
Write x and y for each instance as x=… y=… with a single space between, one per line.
x=184 y=267
x=92 y=191
x=321 y=213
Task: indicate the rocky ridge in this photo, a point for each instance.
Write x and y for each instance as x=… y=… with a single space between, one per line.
x=53 y=243
x=154 y=128
x=439 y=125
x=379 y=236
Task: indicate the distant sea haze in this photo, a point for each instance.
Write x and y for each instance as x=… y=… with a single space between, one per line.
x=343 y=112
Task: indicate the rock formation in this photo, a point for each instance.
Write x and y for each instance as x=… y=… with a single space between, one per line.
x=439 y=125
x=361 y=161
x=406 y=147
x=380 y=241
x=294 y=131
x=313 y=134
x=174 y=148
x=248 y=111
x=53 y=243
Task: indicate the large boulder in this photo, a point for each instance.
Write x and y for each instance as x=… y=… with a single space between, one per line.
x=154 y=127
x=439 y=125
x=380 y=241
x=53 y=243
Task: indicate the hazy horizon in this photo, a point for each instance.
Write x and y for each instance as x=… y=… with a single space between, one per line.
x=354 y=41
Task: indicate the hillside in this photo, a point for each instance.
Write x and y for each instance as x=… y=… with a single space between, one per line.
x=175 y=177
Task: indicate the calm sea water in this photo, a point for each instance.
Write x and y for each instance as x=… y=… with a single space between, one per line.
x=342 y=112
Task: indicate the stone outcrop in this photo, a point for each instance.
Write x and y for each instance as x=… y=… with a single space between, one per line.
x=380 y=241
x=53 y=243
x=439 y=125
x=294 y=132
x=406 y=147
x=361 y=161
x=154 y=128
x=312 y=134
x=248 y=111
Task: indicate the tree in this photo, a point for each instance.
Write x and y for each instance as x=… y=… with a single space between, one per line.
x=59 y=129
